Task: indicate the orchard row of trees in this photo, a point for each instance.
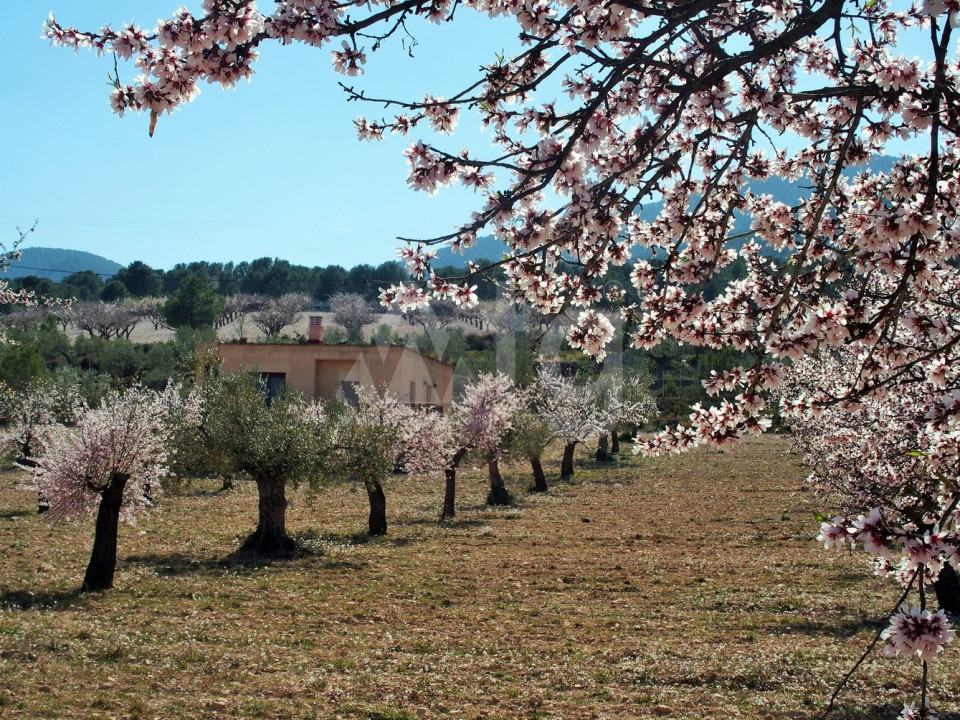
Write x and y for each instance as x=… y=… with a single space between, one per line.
x=109 y=461
x=194 y=306
x=273 y=278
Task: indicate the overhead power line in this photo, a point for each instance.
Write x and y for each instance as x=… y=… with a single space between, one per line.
x=18 y=266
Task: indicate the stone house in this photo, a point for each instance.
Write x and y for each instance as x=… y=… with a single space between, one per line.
x=334 y=371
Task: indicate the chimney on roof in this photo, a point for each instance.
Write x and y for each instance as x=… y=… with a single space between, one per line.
x=315 y=333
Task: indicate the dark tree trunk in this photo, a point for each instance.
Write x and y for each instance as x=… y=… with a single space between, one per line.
x=947 y=588
x=271 y=536
x=377 y=523
x=498 y=491
x=615 y=440
x=43 y=502
x=539 y=478
x=566 y=466
x=103 y=559
x=25 y=459
x=450 y=488
x=449 y=494
x=603 y=453
x=226 y=483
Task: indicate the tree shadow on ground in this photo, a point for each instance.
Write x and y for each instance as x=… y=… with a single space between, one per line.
x=308 y=546
x=16 y=514
x=350 y=539
x=173 y=564
x=13 y=599
x=598 y=474
x=841 y=628
x=197 y=488
x=454 y=523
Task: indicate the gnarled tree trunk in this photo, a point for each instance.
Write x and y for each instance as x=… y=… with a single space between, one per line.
x=498 y=491
x=271 y=536
x=566 y=465
x=615 y=440
x=377 y=522
x=539 y=477
x=103 y=559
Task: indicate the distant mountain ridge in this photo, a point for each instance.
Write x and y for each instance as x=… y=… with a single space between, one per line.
x=57 y=263
x=489 y=248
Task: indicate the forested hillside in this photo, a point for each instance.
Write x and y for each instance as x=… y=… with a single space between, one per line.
x=265 y=276
x=56 y=263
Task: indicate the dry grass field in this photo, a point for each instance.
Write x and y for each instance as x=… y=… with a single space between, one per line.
x=684 y=587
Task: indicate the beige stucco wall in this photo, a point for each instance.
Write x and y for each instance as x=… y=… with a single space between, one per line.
x=318 y=370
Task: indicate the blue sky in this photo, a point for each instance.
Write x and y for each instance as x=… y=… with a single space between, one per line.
x=272 y=168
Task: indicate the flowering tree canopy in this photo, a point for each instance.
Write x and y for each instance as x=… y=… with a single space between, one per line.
x=672 y=107
x=891 y=461
x=623 y=399
x=280 y=312
x=110 y=466
x=353 y=312
x=106 y=320
x=34 y=413
x=572 y=410
x=124 y=437
x=418 y=436
x=483 y=415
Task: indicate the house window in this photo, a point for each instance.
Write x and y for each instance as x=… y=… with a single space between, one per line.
x=428 y=393
x=348 y=392
x=273 y=383
x=413 y=393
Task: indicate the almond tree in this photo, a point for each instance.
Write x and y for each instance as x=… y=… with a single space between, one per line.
x=26 y=317
x=436 y=317
x=36 y=413
x=277 y=313
x=353 y=312
x=110 y=465
x=481 y=421
x=236 y=307
x=889 y=462
x=623 y=400
x=571 y=409
x=383 y=435
x=106 y=320
x=31 y=412
x=146 y=308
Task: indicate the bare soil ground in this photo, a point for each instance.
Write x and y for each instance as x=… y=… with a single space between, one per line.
x=684 y=587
